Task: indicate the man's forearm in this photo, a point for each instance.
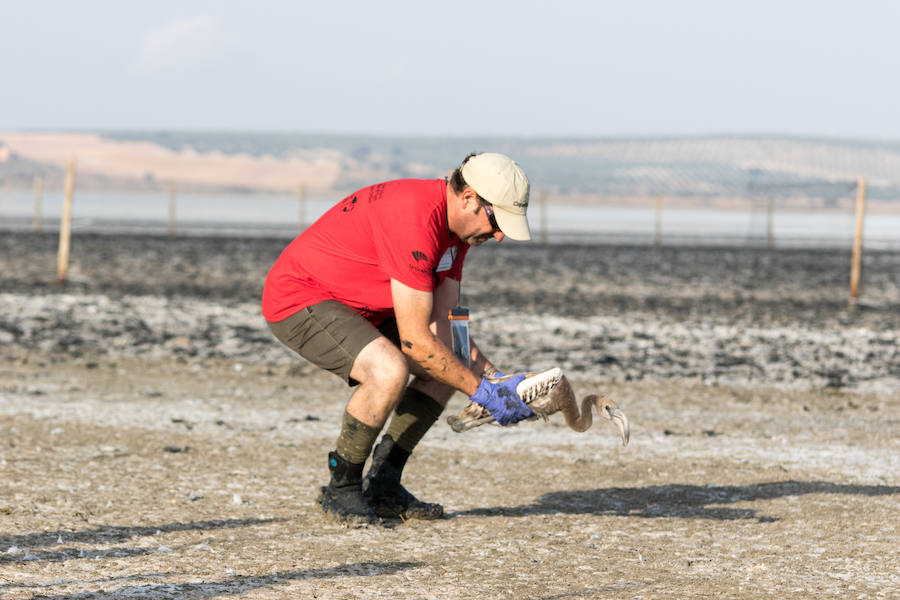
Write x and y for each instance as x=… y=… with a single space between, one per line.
x=479 y=362
x=439 y=362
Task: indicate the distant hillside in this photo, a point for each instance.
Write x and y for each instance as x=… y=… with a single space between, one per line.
x=705 y=167
x=816 y=172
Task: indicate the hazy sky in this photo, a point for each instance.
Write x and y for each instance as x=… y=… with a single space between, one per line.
x=522 y=68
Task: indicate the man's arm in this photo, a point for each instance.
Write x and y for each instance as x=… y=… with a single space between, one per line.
x=480 y=363
x=413 y=309
x=446 y=296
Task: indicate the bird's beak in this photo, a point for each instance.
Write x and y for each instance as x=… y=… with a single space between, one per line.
x=615 y=414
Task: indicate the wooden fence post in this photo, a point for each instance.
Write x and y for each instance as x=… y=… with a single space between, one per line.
x=657 y=222
x=855 y=265
x=38 y=196
x=6 y=209
x=544 y=233
x=172 y=191
x=65 y=225
x=301 y=223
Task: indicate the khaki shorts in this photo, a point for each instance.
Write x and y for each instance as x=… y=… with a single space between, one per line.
x=331 y=335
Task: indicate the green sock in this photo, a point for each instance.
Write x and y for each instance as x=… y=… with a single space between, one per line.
x=356 y=439
x=415 y=414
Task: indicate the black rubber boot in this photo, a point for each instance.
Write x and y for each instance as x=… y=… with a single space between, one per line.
x=382 y=489
x=342 y=498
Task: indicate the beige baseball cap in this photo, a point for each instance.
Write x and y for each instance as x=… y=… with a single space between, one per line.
x=500 y=181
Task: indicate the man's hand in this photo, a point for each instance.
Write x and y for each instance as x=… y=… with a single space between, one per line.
x=502 y=400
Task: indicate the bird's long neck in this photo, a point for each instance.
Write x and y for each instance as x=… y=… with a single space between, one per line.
x=583 y=420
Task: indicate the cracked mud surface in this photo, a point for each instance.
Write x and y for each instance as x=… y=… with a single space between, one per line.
x=155 y=442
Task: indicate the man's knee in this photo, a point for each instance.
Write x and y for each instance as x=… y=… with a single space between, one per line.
x=381 y=364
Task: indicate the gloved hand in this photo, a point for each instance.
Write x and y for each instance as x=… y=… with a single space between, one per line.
x=501 y=400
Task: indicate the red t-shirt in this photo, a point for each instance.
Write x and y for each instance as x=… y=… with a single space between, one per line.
x=393 y=230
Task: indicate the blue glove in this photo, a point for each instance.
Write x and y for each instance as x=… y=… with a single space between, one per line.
x=501 y=400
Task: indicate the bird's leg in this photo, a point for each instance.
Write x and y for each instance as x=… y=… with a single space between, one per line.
x=540 y=412
x=459 y=424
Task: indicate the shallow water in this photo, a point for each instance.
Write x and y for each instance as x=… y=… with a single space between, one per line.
x=283 y=214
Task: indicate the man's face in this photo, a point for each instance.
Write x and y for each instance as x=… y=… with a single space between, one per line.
x=480 y=225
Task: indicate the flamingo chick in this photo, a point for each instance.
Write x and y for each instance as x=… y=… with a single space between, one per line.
x=547 y=393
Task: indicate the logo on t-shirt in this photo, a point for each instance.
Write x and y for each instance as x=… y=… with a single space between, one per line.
x=420 y=256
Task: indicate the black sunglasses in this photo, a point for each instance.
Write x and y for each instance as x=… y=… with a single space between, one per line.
x=491 y=218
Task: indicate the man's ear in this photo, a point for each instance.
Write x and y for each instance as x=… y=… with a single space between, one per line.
x=470 y=198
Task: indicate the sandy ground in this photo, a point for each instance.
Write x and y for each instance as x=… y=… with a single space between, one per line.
x=156 y=443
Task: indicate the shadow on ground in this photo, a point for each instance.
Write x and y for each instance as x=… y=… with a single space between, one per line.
x=675 y=501
x=103 y=535
x=239 y=584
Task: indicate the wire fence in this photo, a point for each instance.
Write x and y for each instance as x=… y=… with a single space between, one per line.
x=760 y=220
x=765 y=215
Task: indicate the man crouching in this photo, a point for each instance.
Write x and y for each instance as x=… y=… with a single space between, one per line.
x=365 y=293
